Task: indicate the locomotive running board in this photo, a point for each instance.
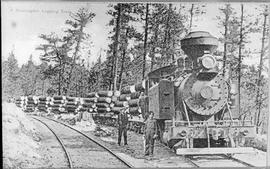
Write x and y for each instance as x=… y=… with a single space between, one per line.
x=199 y=151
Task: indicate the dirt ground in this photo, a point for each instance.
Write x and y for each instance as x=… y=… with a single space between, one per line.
x=22 y=147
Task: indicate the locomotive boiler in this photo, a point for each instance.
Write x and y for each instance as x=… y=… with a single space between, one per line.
x=194 y=104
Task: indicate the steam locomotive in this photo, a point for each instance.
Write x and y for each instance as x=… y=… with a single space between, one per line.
x=194 y=104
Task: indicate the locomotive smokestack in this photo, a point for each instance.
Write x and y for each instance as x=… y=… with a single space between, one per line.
x=196 y=44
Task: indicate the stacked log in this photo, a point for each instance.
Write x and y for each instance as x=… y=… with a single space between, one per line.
x=104 y=101
x=43 y=103
x=71 y=105
x=132 y=95
x=20 y=102
x=31 y=103
x=139 y=87
x=88 y=104
x=101 y=102
x=57 y=104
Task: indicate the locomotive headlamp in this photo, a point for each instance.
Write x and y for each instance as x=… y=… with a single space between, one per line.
x=208 y=61
x=206 y=92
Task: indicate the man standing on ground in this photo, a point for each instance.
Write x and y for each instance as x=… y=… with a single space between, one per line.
x=122 y=125
x=150 y=134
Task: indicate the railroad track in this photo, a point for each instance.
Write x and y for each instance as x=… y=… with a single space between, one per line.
x=199 y=161
x=101 y=154
x=206 y=159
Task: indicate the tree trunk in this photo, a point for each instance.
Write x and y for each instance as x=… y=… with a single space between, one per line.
x=225 y=43
x=43 y=85
x=240 y=61
x=115 y=51
x=123 y=59
x=59 y=83
x=154 y=47
x=59 y=78
x=191 y=17
x=258 y=97
x=167 y=33
x=145 y=39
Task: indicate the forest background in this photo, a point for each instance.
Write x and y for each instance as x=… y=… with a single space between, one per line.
x=140 y=38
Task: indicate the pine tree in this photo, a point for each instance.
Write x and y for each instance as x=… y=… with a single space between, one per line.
x=76 y=35
x=10 y=78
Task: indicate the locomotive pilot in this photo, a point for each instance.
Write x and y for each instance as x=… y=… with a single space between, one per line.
x=150 y=134
x=122 y=125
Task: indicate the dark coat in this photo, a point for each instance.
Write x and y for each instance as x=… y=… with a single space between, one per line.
x=150 y=127
x=123 y=119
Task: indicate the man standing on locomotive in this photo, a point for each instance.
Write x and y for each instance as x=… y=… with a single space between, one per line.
x=150 y=134
x=122 y=125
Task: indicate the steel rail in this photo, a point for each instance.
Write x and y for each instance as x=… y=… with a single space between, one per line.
x=60 y=141
x=95 y=141
x=188 y=158
x=239 y=161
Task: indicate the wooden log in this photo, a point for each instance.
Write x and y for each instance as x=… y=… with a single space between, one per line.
x=43 y=109
x=111 y=104
x=56 y=105
x=115 y=98
x=71 y=99
x=124 y=97
x=135 y=95
x=117 y=109
x=104 y=100
x=55 y=109
x=135 y=111
x=71 y=106
x=30 y=102
x=42 y=105
x=104 y=105
x=42 y=98
x=83 y=109
x=58 y=101
x=105 y=93
x=30 y=105
x=139 y=87
x=91 y=95
x=30 y=98
x=128 y=89
x=117 y=93
x=88 y=100
x=89 y=105
x=59 y=97
x=121 y=104
x=133 y=103
x=103 y=109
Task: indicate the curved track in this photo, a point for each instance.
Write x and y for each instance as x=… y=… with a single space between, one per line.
x=60 y=141
x=85 y=136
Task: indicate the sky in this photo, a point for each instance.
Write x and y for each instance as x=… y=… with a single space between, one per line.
x=23 y=22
